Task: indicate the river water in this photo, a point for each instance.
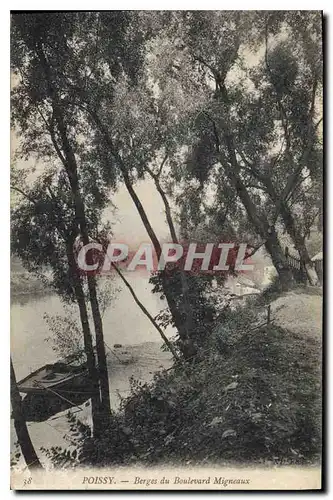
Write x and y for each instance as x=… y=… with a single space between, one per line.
x=124 y=323
x=140 y=356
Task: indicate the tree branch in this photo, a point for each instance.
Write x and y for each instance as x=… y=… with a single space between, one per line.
x=146 y=312
x=162 y=165
x=24 y=194
x=255 y=250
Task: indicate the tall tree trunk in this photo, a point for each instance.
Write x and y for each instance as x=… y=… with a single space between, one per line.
x=187 y=346
x=291 y=228
x=97 y=319
x=88 y=344
x=67 y=156
x=173 y=234
x=96 y=402
x=100 y=348
x=24 y=440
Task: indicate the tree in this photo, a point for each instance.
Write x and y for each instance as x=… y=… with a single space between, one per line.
x=137 y=129
x=24 y=440
x=121 y=139
x=41 y=111
x=256 y=151
x=289 y=83
x=43 y=232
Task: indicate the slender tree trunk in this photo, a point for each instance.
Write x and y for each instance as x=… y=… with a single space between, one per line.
x=93 y=373
x=71 y=168
x=97 y=319
x=81 y=219
x=292 y=230
x=28 y=450
x=88 y=344
x=100 y=348
x=146 y=312
x=67 y=156
x=187 y=347
x=183 y=278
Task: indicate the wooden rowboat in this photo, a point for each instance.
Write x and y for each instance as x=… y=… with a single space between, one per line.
x=55 y=377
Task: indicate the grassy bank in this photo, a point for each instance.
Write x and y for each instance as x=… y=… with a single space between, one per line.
x=254 y=397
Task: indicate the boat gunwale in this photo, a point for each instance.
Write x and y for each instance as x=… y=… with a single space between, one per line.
x=51 y=384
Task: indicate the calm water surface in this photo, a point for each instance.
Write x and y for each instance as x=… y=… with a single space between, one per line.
x=123 y=321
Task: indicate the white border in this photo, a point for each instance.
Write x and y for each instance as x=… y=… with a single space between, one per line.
x=172 y=5
x=4 y=184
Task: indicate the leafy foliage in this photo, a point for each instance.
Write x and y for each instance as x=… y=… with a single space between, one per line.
x=66 y=335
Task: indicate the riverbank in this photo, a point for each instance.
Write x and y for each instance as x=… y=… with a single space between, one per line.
x=254 y=398
x=24 y=284
x=129 y=362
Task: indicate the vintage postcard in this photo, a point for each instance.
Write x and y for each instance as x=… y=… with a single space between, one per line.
x=166 y=250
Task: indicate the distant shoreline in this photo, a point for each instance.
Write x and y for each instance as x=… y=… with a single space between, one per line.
x=22 y=290
x=34 y=292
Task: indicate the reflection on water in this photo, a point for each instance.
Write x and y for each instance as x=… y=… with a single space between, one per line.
x=24 y=298
x=40 y=407
x=124 y=323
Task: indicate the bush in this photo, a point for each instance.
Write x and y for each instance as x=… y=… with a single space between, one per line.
x=271 y=292
x=256 y=400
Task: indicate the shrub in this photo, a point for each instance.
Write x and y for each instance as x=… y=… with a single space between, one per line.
x=258 y=400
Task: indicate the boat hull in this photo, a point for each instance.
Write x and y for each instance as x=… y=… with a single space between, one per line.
x=52 y=380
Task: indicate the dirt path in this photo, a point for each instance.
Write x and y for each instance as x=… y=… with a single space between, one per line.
x=299 y=312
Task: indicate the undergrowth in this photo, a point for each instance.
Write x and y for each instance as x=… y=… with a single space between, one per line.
x=254 y=397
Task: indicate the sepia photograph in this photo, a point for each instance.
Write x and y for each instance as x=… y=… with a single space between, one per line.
x=166 y=250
